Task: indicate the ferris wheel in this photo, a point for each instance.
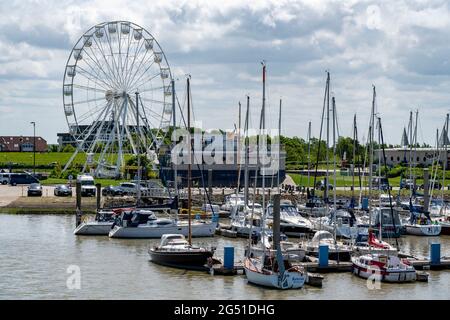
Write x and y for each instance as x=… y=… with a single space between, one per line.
x=117 y=96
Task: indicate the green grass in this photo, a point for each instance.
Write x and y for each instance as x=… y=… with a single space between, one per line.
x=341 y=181
x=44 y=158
x=103 y=182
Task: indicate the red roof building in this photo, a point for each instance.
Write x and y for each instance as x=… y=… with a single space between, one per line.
x=22 y=144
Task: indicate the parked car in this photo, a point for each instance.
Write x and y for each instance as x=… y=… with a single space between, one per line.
x=113 y=191
x=22 y=178
x=62 y=190
x=87 y=185
x=320 y=185
x=34 y=189
x=4 y=177
x=131 y=188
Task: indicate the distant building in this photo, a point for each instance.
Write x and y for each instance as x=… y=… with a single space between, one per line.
x=22 y=144
x=419 y=156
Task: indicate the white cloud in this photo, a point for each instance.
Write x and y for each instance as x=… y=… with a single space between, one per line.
x=400 y=46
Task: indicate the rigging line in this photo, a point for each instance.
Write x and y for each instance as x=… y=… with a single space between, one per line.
x=146 y=120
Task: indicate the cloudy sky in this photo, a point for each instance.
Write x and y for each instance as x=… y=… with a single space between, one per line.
x=402 y=47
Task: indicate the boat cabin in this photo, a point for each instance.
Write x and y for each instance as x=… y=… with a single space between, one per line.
x=173 y=239
x=134 y=218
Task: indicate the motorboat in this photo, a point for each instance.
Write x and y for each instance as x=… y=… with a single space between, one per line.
x=387 y=220
x=175 y=251
x=291 y=222
x=314 y=207
x=263 y=241
x=101 y=225
x=341 y=221
x=265 y=271
x=337 y=250
x=144 y=224
x=243 y=220
x=233 y=200
x=383 y=267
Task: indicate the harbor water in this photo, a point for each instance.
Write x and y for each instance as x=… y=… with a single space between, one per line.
x=40 y=256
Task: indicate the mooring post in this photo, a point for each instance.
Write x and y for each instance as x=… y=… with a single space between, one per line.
x=99 y=195
x=435 y=254
x=78 y=203
x=323 y=255
x=228 y=258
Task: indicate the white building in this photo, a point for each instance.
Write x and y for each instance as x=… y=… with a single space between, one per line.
x=419 y=156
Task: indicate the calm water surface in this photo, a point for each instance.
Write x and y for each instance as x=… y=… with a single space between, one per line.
x=36 y=250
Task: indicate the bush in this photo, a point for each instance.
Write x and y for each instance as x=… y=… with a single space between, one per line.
x=396 y=171
x=69 y=148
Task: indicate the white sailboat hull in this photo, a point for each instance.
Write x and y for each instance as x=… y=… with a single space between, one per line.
x=423 y=230
x=384 y=276
x=291 y=280
x=93 y=228
x=145 y=231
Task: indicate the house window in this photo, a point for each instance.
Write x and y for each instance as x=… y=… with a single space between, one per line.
x=392 y=158
x=398 y=158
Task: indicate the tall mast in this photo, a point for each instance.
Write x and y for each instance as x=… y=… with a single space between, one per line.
x=246 y=160
x=371 y=138
x=174 y=125
x=239 y=152
x=190 y=158
x=309 y=151
x=379 y=175
x=262 y=127
x=279 y=137
x=138 y=131
x=354 y=157
x=444 y=141
x=411 y=142
x=334 y=166
x=328 y=136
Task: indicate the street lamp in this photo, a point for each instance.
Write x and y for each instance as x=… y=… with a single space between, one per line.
x=34 y=147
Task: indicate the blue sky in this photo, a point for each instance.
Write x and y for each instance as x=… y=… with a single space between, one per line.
x=400 y=46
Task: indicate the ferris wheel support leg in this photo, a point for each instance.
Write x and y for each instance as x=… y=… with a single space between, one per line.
x=70 y=160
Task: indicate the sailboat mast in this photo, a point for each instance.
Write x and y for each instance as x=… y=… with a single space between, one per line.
x=138 y=191
x=262 y=127
x=174 y=125
x=328 y=138
x=371 y=138
x=279 y=137
x=379 y=175
x=354 y=157
x=190 y=159
x=410 y=153
x=246 y=160
x=334 y=166
x=444 y=142
x=309 y=152
x=239 y=151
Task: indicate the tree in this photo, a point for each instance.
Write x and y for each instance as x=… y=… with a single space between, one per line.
x=69 y=149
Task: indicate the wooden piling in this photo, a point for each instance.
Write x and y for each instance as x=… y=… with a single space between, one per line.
x=99 y=195
x=78 y=203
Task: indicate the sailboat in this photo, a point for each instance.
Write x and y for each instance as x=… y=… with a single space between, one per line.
x=174 y=250
x=382 y=266
x=420 y=222
x=271 y=269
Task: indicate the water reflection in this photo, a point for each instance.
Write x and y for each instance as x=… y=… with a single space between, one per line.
x=37 y=250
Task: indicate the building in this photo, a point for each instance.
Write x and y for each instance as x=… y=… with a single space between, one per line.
x=22 y=144
x=419 y=156
x=226 y=174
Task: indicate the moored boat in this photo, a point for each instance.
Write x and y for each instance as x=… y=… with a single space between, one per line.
x=175 y=251
x=382 y=267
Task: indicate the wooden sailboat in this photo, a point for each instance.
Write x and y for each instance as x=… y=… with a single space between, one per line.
x=174 y=250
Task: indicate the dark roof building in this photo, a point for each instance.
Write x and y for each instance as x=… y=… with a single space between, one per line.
x=22 y=144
